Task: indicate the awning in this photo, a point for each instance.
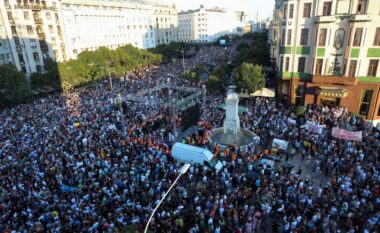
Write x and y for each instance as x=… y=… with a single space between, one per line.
x=264 y=92
x=336 y=92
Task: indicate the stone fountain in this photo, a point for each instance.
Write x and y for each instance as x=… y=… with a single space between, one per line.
x=231 y=133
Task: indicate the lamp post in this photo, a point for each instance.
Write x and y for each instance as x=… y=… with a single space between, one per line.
x=183 y=61
x=182 y=171
x=109 y=76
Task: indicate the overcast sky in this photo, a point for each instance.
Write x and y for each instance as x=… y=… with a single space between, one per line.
x=265 y=6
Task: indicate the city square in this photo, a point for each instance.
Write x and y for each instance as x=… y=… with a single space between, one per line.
x=201 y=135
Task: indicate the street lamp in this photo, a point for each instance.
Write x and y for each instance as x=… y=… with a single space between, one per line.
x=183 y=61
x=182 y=171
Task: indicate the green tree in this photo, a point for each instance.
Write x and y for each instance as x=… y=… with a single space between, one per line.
x=14 y=86
x=249 y=76
x=214 y=85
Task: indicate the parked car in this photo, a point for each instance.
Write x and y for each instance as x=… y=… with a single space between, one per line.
x=264 y=166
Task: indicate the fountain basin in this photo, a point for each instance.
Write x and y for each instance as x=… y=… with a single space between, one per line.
x=243 y=139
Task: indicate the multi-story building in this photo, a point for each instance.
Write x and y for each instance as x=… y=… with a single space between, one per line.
x=328 y=52
x=207 y=25
x=90 y=24
x=31 y=30
x=166 y=23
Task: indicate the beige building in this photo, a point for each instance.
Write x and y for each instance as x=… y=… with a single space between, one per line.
x=31 y=31
x=166 y=23
x=328 y=51
x=207 y=25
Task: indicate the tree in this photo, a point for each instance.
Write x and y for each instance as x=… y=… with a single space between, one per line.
x=214 y=84
x=249 y=76
x=14 y=86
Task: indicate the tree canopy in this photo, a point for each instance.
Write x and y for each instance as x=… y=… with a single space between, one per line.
x=250 y=77
x=14 y=86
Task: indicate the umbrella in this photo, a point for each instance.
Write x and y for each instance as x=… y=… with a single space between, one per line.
x=264 y=92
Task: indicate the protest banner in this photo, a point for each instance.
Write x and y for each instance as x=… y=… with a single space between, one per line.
x=280 y=144
x=313 y=127
x=347 y=135
x=292 y=121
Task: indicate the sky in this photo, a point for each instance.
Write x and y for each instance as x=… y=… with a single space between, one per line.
x=265 y=6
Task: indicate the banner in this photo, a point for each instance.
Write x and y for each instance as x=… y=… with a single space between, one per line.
x=313 y=127
x=291 y=121
x=280 y=144
x=347 y=135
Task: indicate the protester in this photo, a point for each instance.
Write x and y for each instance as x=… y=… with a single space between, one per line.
x=77 y=162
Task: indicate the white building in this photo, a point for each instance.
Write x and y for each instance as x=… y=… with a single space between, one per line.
x=166 y=23
x=207 y=25
x=90 y=24
x=29 y=32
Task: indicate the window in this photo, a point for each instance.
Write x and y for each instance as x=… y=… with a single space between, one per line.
x=48 y=16
x=358 y=37
x=283 y=37
x=362 y=7
x=299 y=95
x=291 y=9
x=10 y=17
x=282 y=63
x=306 y=10
x=287 y=61
x=51 y=29
x=304 y=36
x=39 y=68
x=318 y=67
x=377 y=37
x=327 y=8
x=372 y=69
x=285 y=11
x=36 y=56
x=33 y=43
x=365 y=102
x=26 y=15
x=29 y=29
x=322 y=37
x=301 y=64
x=289 y=40
x=352 y=68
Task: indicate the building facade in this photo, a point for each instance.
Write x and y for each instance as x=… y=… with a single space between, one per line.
x=328 y=52
x=207 y=25
x=166 y=23
x=31 y=31
x=90 y=24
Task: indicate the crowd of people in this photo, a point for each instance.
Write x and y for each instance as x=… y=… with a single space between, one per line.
x=78 y=162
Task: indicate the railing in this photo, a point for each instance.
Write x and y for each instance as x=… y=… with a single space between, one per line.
x=360 y=18
x=325 y=19
x=35 y=7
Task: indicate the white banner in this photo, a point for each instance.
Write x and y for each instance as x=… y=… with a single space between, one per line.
x=291 y=121
x=314 y=127
x=280 y=144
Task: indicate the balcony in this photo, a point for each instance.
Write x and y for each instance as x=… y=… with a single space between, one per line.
x=324 y=19
x=360 y=18
x=38 y=21
x=340 y=80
